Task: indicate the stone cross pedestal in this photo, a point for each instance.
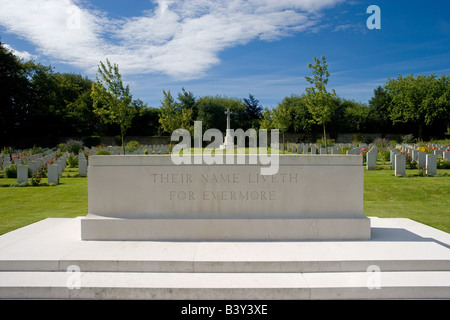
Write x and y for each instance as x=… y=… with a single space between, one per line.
x=229 y=138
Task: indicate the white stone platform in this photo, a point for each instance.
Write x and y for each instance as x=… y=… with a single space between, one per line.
x=413 y=260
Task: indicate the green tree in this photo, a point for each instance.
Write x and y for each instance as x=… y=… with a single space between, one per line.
x=45 y=115
x=186 y=100
x=267 y=119
x=112 y=100
x=379 y=114
x=81 y=116
x=174 y=115
x=282 y=119
x=146 y=121
x=189 y=110
x=319 y=100
x=253 y=111
x=301 y=117
x=211 y=111
x=418 y=100
x=168 y=118
x=15 y=96
x=356 y=115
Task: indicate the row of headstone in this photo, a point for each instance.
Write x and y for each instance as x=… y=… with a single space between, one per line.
x=398 y=159
x=313 y=149
x=35 y=162
x=143 y=149
x=54 y=171
x=423 y=160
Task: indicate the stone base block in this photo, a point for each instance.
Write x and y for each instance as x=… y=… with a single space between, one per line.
x=102 y=228
x=48 y=260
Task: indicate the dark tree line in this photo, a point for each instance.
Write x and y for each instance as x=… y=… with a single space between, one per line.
x=39 y=106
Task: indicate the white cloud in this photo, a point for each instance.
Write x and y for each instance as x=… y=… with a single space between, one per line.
x=181 y=38
x=25 y=55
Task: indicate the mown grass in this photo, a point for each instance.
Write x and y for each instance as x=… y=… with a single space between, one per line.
x=21 y=206
x=423 y=199
x=420 y=198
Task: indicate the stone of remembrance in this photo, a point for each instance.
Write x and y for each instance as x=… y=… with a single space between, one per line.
x=312 y=197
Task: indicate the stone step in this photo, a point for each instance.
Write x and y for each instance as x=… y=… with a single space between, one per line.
x=55 y=244
x=262 y=266
x=230 y=257
x=217 y=286
x=414 y=261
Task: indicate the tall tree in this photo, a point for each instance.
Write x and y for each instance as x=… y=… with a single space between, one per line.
x=282 y=119
x=319 y=100
x=379 y=113
x=112 y=100
x=173 y=117
x=267 y=119
x=186 y=99
x=168 y=116
x=15 y=95
x=189 y=110
x=253 y=111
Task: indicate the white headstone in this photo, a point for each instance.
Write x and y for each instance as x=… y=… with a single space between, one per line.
x=371 y=159
x=33 y=166
x=22 y=173
x=6 y=163
x=400 y=165
x=82 y=167
x=431 y=164
x=393 y=154
x=446 y=155
x=61 y=164
x=53 y=173
x=421 y=159
x=414 y=154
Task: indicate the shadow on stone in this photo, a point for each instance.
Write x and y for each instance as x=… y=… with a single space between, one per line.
x=399 y=234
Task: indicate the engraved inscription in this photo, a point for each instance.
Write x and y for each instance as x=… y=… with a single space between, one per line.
x=225 y=182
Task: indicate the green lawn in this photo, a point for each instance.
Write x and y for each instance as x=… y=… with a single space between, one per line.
x=423 y=199
x=21 y=206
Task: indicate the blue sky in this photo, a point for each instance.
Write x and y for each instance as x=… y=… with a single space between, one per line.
x=232 y=47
